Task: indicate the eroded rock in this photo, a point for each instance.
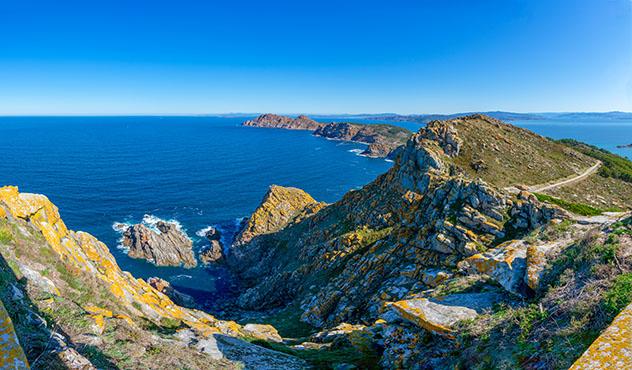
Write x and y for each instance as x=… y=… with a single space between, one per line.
x=168 y=246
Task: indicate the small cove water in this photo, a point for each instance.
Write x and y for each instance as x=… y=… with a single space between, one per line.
x=199 y=171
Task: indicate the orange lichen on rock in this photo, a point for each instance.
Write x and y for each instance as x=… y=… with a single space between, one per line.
x=613 y=348
x=11 y=353
x=83 y=251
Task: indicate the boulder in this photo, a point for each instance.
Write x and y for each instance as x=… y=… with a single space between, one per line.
x=262 y=332
x=506 y=264
x=168 y=246
x=439 y=315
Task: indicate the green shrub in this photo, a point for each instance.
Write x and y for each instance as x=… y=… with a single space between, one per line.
x=577 y=208
x=619 y=295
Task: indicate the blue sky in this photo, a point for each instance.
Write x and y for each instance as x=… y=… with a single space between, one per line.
x=153 y=57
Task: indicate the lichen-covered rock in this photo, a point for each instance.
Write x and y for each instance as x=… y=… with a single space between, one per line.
x=279 y=207
x=613 y=348
x=82 y=251
x=11 y=353
x=505 y=264
x=440 y=314
x=262 y=332
x=166 y=246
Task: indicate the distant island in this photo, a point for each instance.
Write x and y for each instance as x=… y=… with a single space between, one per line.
x=383 y=140
x=624 y=146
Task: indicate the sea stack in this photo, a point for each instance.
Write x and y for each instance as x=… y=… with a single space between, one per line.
x=166 y=246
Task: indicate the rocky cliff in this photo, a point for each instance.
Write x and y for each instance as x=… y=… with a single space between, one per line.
x=288 y=123
x=383 y=141
x=165 y=246
x=73 y=307
x=431 y=243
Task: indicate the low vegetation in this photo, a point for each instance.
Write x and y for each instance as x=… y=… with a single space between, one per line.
x=614 y=166
x=585 y=288
x=577 y=208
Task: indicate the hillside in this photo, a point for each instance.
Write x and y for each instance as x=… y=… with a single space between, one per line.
x=382 y=140
x=436 y=254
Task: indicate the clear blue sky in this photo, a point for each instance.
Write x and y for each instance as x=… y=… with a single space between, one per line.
x=117 y=57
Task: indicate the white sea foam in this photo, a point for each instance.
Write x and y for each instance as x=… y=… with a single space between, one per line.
x=356 y=151
x=389 y=160
x=202 y=232
x=148 y=220
x=180 y=277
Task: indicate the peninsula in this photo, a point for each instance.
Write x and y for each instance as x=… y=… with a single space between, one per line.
x=383 y=141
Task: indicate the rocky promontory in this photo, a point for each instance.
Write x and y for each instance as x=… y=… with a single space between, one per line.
x=166 y=246
x=280 y=206
x=383 y=140
x=276 y=121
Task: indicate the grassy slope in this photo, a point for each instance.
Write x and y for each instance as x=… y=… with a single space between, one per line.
x=513 y=155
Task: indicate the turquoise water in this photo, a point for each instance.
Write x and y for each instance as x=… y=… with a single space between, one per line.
x=198 y=171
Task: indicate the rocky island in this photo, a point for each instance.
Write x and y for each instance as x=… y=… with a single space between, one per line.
x=383 y=140
x=450 y=259
x=166 y=246
x=624 y=146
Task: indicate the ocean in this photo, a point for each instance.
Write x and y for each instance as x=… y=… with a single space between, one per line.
x=197 y=171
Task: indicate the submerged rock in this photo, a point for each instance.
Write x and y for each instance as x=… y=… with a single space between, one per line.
x=167 y=247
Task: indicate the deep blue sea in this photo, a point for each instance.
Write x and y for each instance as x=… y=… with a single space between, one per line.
x=198 y=171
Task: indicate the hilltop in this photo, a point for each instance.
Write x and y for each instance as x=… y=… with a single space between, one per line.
x=382 y=140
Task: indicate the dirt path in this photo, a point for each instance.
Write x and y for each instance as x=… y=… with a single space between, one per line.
x=580 y=177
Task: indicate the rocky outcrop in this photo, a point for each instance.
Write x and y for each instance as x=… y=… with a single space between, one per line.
x=280 y=206
x=613 y=348
x=214 y=253
x=11 y=353
x=288 y=123
x=165 y=287
x=376 y=244
x=439 y=315
x=166 y=246
x=86 y=263
x=383 y=141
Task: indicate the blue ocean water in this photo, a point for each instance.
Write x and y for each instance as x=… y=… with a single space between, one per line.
x=198 y=171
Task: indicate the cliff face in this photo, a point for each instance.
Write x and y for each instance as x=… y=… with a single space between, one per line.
x=288 y=123
x=380 y=239
x=428 y=245
x=97 y=311
x=383 y=141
